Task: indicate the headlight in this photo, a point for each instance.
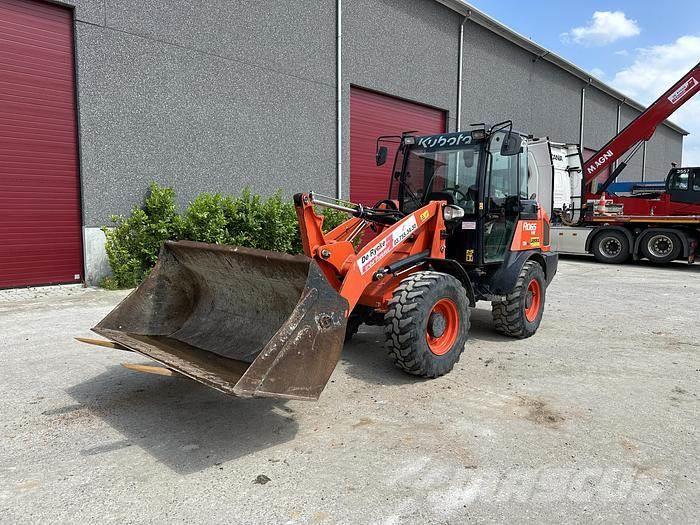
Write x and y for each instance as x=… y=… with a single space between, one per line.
x=451 y=212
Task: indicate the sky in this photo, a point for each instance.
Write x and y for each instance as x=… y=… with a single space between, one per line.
x=639 y=47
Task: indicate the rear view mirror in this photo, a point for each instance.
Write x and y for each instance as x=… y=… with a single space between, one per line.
x=468 y=157
x=511 y=144
x=382 y=153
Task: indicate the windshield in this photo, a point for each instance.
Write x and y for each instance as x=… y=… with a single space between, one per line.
x=448 y=174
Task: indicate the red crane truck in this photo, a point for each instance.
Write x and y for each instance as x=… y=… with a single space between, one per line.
x=659 y=224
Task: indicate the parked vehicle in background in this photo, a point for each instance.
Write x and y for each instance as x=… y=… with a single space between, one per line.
x=656 y=221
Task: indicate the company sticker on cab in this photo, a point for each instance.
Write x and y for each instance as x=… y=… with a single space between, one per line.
x=377 y=252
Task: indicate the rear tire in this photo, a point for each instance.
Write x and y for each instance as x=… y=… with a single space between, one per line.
x=520 y=313
x=427 y=323
x=611 y=247
x=661 y=247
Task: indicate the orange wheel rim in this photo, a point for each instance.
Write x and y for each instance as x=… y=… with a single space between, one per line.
x=533 y=300
x=443 y=326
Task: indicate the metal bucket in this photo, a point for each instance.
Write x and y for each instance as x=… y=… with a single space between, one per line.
x=246 y=322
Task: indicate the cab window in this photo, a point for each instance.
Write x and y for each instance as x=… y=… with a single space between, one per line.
x=696 y=179
x=680 y=180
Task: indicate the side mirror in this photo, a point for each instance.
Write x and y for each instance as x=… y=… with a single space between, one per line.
x=382 y=153
x=468 y=157
x=511 y=144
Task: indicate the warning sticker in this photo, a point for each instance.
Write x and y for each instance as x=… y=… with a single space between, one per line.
x=377 y=252
x=683 y=90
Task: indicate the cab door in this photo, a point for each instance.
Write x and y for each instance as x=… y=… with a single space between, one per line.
x=502 y=194
x=683 y=185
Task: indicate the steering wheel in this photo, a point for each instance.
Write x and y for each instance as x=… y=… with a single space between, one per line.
x=455 y=190
x=390 y=205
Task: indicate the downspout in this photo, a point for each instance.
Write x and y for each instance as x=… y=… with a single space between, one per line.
x=460 y=75
x=644 y=161
x=583 y=114
x=339 y=99
x=617 y=125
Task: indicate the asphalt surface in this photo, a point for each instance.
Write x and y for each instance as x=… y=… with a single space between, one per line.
x=593 y=419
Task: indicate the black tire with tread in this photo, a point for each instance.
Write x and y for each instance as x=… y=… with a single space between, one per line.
x=672 y=256
x=405 y=323
x=619 y=237
x=509 y=314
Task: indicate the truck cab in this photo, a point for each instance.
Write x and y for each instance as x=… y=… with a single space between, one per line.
x=683 y=185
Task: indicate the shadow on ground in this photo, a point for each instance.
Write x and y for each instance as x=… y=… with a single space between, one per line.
x=183 y=424
x=367 y=359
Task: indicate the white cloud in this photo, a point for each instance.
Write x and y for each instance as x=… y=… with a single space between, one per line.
x=604 y=28
x=657 y=68
x=622 y=52
x=598 y=73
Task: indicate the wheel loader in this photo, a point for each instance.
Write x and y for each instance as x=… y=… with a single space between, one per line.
x=457 y=227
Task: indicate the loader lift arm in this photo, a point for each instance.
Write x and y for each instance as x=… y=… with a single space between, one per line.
x=359 y=276
x=638 y=131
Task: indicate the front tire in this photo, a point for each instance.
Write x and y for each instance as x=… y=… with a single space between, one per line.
x=661 y=247
x=520 y=313
x=611 y=247
x=427 y=323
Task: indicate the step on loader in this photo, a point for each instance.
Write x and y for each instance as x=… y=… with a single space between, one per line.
x=457 y=227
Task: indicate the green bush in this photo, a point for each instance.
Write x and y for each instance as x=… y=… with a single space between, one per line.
x=133 y=243
x=247 y=220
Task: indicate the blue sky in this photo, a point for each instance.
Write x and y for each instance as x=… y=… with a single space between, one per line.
x=639 y=47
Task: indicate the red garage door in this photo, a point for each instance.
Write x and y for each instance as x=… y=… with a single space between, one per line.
x=40 y=229
x=373 y=115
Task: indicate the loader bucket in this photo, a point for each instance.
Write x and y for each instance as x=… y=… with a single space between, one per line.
x=246 y=322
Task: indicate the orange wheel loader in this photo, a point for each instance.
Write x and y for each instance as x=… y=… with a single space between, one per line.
x=457 y=227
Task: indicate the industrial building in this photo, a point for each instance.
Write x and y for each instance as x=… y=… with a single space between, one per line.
x=100 y=97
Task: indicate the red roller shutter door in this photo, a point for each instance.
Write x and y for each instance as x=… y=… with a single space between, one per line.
x=373 y=115
x=40 y=218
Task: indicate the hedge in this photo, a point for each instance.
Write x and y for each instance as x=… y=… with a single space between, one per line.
x=247 y=220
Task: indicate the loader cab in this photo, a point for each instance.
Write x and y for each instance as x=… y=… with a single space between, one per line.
x=483 y=172
x=683 y=185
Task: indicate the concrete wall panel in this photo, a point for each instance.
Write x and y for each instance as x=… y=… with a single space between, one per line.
x=600 y=120
x=90 y=11
x=497 y=80
x=152 y=111
x=665 y=147
x=556 y=103
x=296 y=38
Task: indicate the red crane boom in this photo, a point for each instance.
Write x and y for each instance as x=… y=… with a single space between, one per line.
x=639 y=130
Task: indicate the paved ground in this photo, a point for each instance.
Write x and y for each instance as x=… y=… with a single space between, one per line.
x=593 y=419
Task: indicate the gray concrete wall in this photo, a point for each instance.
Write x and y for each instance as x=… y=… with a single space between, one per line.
x=497 y=76
x=503 y=81
x=600 y=121
x=404 y=48
x=664 y=147
x=633 y=171
x=204 y=95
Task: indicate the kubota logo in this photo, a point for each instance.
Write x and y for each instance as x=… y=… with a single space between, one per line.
x=599 y=162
